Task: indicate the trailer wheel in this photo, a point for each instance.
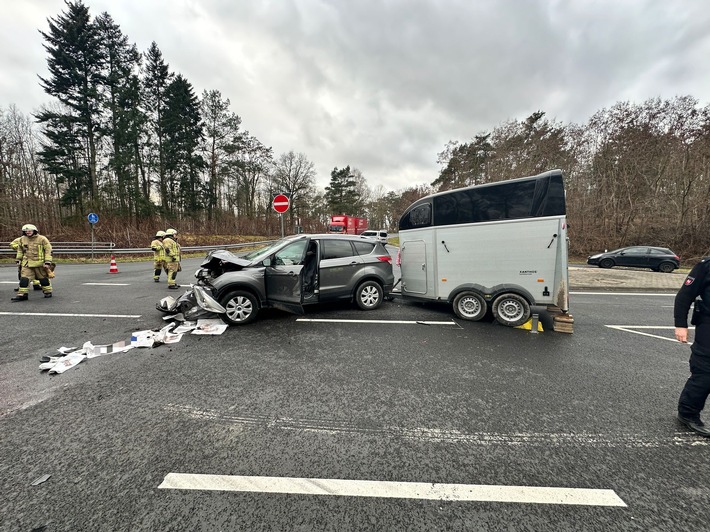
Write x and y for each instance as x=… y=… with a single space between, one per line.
x=470 y=306
x=511 y=310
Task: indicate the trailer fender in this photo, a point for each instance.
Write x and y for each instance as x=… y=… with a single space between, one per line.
x=498 y=289
x=469 y=287
x=491 y=293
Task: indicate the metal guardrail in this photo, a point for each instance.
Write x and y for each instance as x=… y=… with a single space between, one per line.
x=107 y=248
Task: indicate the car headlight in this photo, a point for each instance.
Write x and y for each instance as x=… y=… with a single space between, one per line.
x=596 y=256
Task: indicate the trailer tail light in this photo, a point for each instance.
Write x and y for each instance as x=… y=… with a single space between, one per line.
x=385 y=258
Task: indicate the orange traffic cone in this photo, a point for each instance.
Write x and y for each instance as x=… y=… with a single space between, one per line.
x=114 y=267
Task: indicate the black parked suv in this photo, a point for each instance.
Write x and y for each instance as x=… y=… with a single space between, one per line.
x=288 y=274
x=658 y=259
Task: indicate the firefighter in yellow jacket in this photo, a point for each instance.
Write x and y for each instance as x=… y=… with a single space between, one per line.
x=158 y=255
x=172 y=257
x=34 y=255
x=15 y=244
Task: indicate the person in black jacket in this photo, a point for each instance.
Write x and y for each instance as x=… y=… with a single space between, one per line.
x=696 y=390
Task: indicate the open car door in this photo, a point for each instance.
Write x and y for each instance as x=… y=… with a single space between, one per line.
x=283 y=277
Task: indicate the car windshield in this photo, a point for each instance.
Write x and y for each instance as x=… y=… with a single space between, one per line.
x=261 y=253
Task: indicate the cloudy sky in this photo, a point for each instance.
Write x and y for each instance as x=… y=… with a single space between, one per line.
x=383 y=85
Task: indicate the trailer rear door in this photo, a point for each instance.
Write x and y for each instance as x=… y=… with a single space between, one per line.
x=413 y=257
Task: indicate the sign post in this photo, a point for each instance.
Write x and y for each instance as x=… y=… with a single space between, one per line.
x=93 y=218
x=281 y=204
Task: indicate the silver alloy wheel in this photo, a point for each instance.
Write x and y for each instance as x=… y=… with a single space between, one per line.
x=470 y=306
x=511 y=309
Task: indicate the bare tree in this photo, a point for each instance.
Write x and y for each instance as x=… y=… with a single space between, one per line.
x=295 y=176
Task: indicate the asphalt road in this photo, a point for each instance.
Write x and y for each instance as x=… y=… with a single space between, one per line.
x=461 y=407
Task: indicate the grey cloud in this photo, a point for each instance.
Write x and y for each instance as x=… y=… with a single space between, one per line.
x=383 y=85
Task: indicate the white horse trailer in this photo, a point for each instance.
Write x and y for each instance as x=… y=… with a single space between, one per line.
x=500 y=245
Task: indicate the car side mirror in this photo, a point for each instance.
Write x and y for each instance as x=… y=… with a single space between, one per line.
x=266 y=262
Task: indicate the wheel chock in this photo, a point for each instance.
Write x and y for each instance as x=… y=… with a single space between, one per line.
x=528 y=325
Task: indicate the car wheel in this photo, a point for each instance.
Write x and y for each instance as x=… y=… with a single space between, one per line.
x=369 y=295
x=606 y=263
x=511 y=310
x=470 y=306
x=241 y=307
x=666 y=267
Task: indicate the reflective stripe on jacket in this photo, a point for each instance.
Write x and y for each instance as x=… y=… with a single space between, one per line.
x=34 y=251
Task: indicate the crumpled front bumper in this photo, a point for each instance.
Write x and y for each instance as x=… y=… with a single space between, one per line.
x=194 y=303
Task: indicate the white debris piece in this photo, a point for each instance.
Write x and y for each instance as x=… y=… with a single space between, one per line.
x=164 y=336
x=210 y=326
x=67 y=362
x=93 y=351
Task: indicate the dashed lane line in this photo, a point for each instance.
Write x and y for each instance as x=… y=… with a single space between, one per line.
x=63 y=315
x=632 y=329
x=660 y=294
x=398 y=490
x=83 y=284
x=106 y=284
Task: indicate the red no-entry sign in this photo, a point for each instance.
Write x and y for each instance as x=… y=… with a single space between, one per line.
x=281 y=203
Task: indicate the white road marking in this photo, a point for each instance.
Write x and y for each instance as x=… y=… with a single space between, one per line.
x=427 y=434
x=622 y=294
x=57 y=314
x=630 y=328
x=400 y=322
x=398 y=490
x=106 y=284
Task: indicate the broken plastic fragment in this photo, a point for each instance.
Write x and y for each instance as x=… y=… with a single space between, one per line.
x=40 y=480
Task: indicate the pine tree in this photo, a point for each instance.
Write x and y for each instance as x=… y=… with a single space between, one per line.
x=75 y=65
x=124 y=118
x=182 y=127
x=156 y=78
x=342 y=195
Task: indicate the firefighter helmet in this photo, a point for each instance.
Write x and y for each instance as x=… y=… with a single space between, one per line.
x=29 y=227
x=170 y=232
x=160 y=234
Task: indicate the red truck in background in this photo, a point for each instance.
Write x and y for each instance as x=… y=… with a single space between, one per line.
x=347 y=225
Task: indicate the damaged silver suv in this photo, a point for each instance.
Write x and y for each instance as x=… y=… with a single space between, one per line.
x=288 y=274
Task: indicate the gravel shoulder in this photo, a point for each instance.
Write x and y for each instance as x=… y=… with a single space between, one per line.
x=583 y=278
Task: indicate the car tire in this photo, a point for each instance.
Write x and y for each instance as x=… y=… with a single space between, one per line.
x=242 y=307
x=470 y=306
x=606 y=263
x=369 y=295
x=511 y=310
x=666 y=267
